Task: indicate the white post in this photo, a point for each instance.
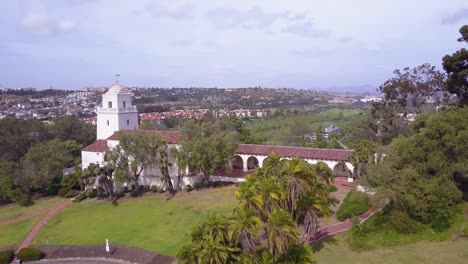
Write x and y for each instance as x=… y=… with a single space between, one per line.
x=244 y=164
x=107 y=245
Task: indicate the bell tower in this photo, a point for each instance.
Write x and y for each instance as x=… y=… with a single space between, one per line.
x=116 y=112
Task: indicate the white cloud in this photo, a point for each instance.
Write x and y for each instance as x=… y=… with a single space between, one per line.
x=175 y=9
x=456 y=17
x=36 y=20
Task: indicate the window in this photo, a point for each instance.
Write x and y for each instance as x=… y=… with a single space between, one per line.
x=124 y=104
x=107 y=122
x=109 y=104
x=128 y=122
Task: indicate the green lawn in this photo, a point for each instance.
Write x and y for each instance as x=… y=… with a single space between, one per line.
x=13 y=211
x=336 y=250
x=14 y=234
x=150 y=222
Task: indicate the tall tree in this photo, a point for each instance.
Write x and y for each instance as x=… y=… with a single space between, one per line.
x=363 y=156
x=411 y=87
x=136 y=152
x=72 y=128
x=456 y=66
x=44 y=164
x=208 y=146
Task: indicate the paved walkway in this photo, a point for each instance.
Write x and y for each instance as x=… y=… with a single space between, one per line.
x=38 y=226
x=335 y=228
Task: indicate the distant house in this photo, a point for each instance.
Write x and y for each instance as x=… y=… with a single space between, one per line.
x=330 y=130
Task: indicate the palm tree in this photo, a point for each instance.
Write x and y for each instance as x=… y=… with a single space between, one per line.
x=187 y=254
x=280 y=231
x=298 y=253
x=245 y=227
x=324 y=172
x=310 y=208
x=211 y=243
x=271 y=194
x=300 y=178
x=248 y=194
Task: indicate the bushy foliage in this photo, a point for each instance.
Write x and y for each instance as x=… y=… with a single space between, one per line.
x=354 y=204
x=62 y=192
x=402 y=223
x=6 y=256
x=333 y=188
x=422 y=174
x=70 y=180
x=80 y=197
x=30 y=254
x=91 y=193
x=188 y=188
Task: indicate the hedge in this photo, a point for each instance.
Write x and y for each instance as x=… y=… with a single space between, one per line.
x=29 y=254
x=6 y=256
x=354 y=204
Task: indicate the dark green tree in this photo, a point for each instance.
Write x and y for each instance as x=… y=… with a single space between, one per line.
x=209 y=146
x=456 y=66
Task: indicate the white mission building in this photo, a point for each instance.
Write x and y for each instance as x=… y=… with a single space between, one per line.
x=117 y=114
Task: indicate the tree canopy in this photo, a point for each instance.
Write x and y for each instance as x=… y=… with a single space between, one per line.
x=456 y=66
x=421 y=172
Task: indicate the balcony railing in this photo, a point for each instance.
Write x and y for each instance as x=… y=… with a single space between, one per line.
x=117 y=110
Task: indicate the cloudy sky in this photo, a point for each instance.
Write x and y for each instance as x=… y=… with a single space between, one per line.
x=273 y=43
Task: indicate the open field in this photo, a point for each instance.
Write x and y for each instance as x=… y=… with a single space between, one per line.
x=336 y=250
x=12 y=211
x=14 y=234
x=151 y=222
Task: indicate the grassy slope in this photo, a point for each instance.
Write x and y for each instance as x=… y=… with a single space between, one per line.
x=13 y=211
x=150 y=222
x=378 y=235
x=15 y=233
x=336 y=250
x=277 y=130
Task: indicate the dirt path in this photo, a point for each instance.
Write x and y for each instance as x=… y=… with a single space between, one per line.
x=24 y=217
x=38 y=226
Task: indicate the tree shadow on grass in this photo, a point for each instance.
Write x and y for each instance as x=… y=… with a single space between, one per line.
x=319 y=245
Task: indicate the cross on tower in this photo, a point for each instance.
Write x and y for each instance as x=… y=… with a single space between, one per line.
x=117 y=77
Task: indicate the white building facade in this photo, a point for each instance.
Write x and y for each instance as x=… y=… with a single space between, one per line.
x=118 y=115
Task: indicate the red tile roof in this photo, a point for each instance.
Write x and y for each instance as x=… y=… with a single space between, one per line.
x=172 y=137
x=306 y=153
x=99 y=145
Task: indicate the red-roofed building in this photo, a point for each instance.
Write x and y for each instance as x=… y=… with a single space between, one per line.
x=116 y=116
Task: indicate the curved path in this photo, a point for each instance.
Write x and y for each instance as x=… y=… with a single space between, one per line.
x=335 y=228
x=31 y=215
x=38 y=226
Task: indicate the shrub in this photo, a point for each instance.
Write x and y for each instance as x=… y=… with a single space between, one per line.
x=52 y=190
x=155 y=188
x=403 y=224
x=188 y=188
x=62 y=192
x=29 y=254
x=70 y=194
x=91 y=193
x=119 y=194
x=6 y=256
x=80 y=197
x=197 y=185
x=333 y=188
x=354 y=204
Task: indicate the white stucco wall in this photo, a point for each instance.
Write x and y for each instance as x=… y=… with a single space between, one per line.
x=88 y=157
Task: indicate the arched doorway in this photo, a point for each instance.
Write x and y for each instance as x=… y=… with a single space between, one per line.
x=252 y=163
x=340 y=170
x=237 y=163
